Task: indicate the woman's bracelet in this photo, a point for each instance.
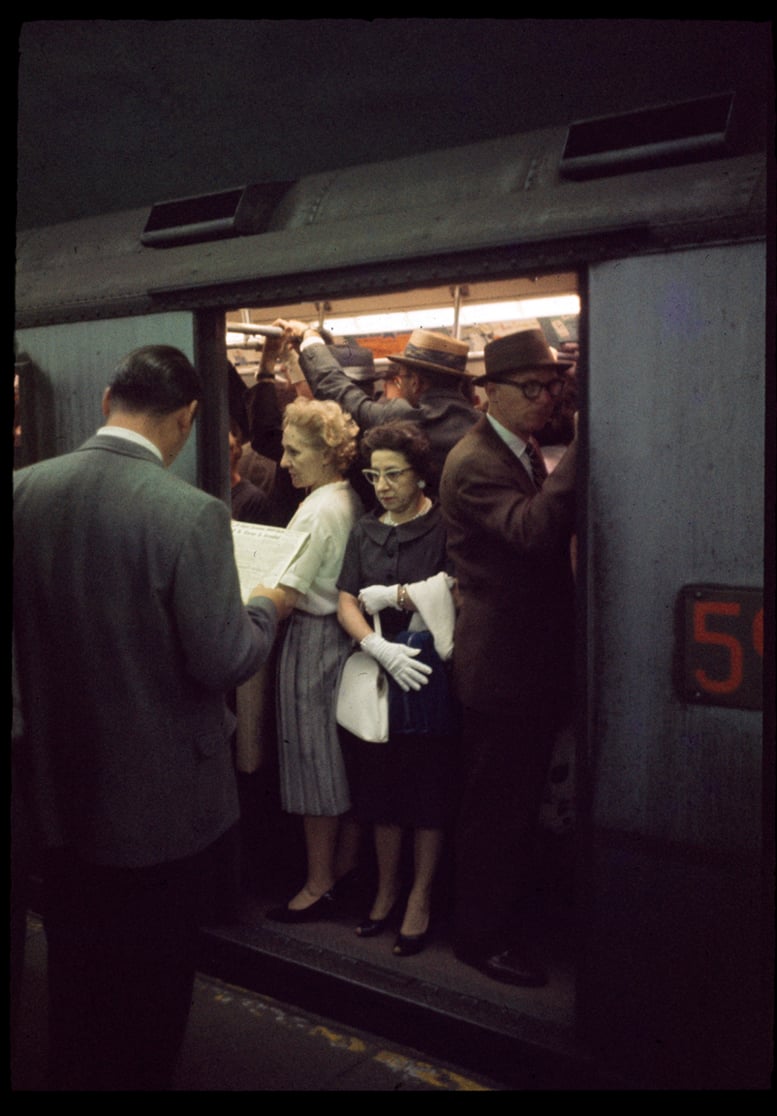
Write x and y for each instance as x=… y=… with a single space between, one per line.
x=402 y=597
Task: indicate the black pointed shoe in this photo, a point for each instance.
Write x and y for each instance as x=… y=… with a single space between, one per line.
x=407 y=945
x=324 y=907
x=371 y=927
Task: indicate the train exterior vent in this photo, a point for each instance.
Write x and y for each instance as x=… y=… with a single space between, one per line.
x=651 y=137
x=237 y=212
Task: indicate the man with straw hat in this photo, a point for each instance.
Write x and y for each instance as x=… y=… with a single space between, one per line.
x=431 y=378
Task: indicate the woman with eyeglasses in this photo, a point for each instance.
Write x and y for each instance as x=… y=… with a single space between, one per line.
x=319 y=444
x=396 y=565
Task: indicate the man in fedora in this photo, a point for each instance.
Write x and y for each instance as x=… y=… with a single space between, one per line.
x=431 y=381
x=509 y=533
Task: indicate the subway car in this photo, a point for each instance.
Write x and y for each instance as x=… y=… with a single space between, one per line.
x=654 y=229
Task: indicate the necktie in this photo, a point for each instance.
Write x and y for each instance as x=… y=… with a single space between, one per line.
x=538 y=470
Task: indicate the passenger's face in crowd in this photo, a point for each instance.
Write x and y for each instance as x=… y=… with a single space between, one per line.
x=397 y=486
x=509 y=405
x=235 y=450
x=406 y=384
x=392 y=382
x=309 y=465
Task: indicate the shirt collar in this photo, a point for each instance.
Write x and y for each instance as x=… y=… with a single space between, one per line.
x=130 y=436
x=516 y=444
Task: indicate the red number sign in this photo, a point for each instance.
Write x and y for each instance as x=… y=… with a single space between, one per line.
x=721 y=659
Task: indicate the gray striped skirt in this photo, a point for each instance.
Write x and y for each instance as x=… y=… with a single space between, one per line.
x=312 y=771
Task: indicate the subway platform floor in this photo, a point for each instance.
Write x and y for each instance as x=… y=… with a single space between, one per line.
x=240 y=1041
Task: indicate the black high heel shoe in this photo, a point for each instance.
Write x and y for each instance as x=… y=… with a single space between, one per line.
x=371 y=927
x=324 y=907
x=407 y=945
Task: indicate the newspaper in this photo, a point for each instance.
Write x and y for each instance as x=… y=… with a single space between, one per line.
x=264 y=553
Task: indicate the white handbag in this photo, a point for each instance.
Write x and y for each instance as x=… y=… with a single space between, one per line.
x=362 y=696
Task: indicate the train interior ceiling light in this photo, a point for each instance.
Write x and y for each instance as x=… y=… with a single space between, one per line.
x=444 y=317
x=440 y=318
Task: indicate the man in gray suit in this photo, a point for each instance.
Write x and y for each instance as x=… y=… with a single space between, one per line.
x=509 y=534
x=129 y=628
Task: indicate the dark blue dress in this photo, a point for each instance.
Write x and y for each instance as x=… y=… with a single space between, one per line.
x=409 y=780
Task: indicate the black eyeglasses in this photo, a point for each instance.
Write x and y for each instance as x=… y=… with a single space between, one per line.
x=533 y=389
x=390 y=476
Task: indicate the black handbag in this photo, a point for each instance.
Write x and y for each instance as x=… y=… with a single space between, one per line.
x=430 y=709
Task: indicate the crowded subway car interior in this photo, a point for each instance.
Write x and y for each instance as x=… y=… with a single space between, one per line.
x=273 y=845
x=653 y=899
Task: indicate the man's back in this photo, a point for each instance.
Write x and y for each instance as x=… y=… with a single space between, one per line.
x=129 y=627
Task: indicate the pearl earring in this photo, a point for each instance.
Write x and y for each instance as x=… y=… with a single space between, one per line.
x=422 y=484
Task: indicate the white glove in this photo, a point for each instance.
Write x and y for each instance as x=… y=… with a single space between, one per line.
x=398 y=660
x=377 y=597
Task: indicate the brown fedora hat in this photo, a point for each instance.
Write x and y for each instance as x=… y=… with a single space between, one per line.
x=435 y=351
x=518 y=352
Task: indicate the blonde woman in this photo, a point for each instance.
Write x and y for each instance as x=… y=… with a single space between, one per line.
x=319 y=444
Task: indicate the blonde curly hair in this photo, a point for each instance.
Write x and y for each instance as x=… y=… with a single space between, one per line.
x=325 y=424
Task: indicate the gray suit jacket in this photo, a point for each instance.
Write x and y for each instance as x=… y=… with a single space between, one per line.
x=510 y=546
x=129 y=628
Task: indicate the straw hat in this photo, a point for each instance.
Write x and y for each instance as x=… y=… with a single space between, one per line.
x=434 y=351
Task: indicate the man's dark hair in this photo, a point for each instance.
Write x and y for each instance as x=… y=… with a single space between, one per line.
x=440 y=381
x=157 y=379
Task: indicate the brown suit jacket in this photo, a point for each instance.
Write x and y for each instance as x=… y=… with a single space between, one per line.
x=510 y=545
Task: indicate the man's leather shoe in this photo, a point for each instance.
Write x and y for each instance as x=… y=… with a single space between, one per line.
x=511 y=967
